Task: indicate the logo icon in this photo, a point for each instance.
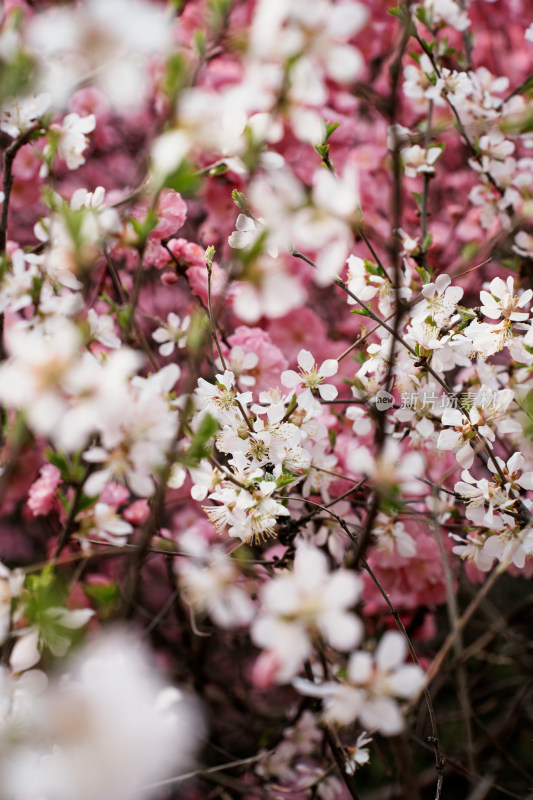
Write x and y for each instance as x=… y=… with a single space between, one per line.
x=384 y=400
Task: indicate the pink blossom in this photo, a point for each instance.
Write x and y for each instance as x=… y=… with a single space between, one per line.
x=171 y=212
x=137 y=513
x=271 y=361
x=114 y=494
x=42 y=493
x=187 y=253
x=197 y=277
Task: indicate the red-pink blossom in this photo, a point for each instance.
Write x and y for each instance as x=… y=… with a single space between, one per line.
x=42 y=494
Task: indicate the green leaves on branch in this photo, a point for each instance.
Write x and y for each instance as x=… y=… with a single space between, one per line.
x=424 y=274
x=323 y=148
x=176 y=76
x=217 y=14
x=144 y=227
x=16 y=76
x=201 y=445
x=184 y=179
x=72 y=469
x=105 y=596
x=241 y=202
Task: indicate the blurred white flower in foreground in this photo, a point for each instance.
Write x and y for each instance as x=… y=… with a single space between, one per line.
x=107 y=729
x=106 y=43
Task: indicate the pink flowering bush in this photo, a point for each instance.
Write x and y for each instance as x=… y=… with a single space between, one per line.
x=266 y=345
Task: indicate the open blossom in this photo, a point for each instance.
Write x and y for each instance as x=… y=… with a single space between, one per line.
x=418 y=161
x=482 y=498
x=372 y=689
x=440 y=301
x=220 y=399
x=103 y=329
x=445 y=12
x=523 y=243
x=72 y=139
x=172 y=334
x=250 y=515
x=211 y=582
x=312 y=376
x=488 y=411
x=18 y=114
x=247 y=232
x=471 y=548
x=500 y=302
x=42 y=494
x=302 y=604
x=102 y=522
x=358 y=755
x=393 y=537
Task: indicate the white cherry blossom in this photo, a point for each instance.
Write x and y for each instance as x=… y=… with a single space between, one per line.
x=501 y=302
x=311 y=376
x=372 y=689
x=304 y=603
x=173 y=334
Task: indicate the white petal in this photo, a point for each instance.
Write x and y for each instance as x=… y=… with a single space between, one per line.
x=25 y=653
x=360 y=667
x=382 y=714
x=391 y=651
x=327 y=391
x=343 y=631
x=452 y=416
x=290 y=378
x=407 y=681
x=306 y=360
x=448 y=440
x=526 y=481
x=465 y=456
x=329 y=367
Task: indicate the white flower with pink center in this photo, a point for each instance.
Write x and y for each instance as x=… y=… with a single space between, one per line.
x=312 y=376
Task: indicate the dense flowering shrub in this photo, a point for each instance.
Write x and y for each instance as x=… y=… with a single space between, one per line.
x=266 y=463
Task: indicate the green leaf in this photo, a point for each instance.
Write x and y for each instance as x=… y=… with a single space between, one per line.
x=175 y=76
x=372 y=268
x=144 y=227
x=285 y=480
x=361 y=311
x=421 y=15
x=424 y=274
x=397 y=12
x=241 y=202
x=469 y=250
x=201 y=444
x=184 y=180
x=428 y=240
x=331 y=127
x=199 y=42
x=217 y=13
x=105 y=596
x=16 y=76
x=124 y=317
